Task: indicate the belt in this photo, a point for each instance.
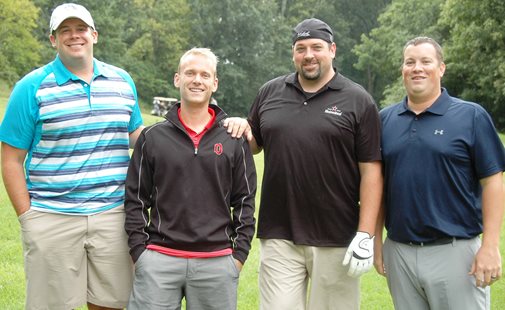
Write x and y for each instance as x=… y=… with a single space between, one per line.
x=439 y=241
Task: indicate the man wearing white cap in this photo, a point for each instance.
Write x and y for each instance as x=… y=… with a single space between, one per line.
x=65 y=140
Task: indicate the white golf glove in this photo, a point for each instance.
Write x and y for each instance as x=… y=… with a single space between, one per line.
x=359 y=255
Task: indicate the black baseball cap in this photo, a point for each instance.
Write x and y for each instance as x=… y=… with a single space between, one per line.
x=312 y=28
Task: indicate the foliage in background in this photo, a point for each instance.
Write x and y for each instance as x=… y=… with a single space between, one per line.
x=348 y=20
x=251 y=37
x=159 y=37
x=145 y=37
x=380 y=52
x=472 y=34
x=19 y=50
x=475 y=52
x=253 y=40
x=251 y=43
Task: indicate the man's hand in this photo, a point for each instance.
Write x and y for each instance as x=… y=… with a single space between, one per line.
x=238 y=264
x=238 y=127
x=378 y=260
x=359 y=255
x=486 y=267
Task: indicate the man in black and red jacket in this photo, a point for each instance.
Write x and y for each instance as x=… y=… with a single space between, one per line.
x=189 y=204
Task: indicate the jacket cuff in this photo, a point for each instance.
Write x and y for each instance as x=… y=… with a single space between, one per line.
x=136 y=252
x=240 y=256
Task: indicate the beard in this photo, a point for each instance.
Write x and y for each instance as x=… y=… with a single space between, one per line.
x=310 y=75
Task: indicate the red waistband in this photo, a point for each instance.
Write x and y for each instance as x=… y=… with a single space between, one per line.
x=188 y=254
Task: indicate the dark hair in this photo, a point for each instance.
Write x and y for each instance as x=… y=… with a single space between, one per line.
x=421 y=40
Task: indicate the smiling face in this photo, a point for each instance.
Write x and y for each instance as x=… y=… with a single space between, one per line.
x=74 y=41
x=313 y=59
x=196 y=79
x=422 y=72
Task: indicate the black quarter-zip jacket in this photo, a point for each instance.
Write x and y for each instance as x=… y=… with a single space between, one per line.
x=190 y=199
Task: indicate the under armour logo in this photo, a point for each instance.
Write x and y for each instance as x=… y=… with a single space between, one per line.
x=439 y=132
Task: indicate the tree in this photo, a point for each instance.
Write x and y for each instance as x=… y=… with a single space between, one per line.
x=110 y=19
x=19 y=50
x=380 y=52
x=327 y=11
x=360 y=17
x=348 y=19
x=156 y=35
x=250 y=40
x=475 y=53
x=145 y=37
x=253 y=39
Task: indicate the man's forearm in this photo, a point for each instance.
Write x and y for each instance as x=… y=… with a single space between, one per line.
x=253 y=145
x=371 y=188
x=14 y=178
x=492 y=209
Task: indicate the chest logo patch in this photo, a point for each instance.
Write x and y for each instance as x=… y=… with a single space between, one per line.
x=333 y=110
x=218 y=148
x=438 y=132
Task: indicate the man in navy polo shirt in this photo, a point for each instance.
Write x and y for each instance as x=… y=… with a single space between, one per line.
x=443 y=164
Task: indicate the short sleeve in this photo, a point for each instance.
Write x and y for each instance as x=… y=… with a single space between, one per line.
x=488 y=151
x=19 y=124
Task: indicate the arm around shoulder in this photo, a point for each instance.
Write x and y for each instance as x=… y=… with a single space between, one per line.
x=255 y=149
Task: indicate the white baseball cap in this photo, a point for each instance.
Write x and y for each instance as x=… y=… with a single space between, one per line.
x=70 y=10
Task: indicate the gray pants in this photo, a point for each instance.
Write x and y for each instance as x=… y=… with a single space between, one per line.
x=434 y=277
x=161 y=281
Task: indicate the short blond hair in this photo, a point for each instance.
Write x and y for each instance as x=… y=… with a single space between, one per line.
x=201 y=51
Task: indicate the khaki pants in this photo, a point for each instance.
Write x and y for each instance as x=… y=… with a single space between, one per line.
x=288 y=270
x=71 y=260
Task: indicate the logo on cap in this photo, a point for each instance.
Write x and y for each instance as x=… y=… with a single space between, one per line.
x=304 y=34
x=312 y=28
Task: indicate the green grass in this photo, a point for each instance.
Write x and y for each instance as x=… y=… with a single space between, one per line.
x=374 y=291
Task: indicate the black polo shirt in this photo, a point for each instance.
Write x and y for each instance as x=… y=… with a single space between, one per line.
x=312 y=145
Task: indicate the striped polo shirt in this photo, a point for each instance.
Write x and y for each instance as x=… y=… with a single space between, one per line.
x=76 y=135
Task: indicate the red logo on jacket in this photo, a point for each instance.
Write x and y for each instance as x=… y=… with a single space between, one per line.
x=218 y=148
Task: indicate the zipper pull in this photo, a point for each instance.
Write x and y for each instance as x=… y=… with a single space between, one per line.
x=196 y=150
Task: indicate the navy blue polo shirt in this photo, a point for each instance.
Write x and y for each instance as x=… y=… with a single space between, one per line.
x=433 y=163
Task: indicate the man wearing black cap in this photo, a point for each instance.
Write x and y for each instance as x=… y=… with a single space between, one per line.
x=322 y=182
